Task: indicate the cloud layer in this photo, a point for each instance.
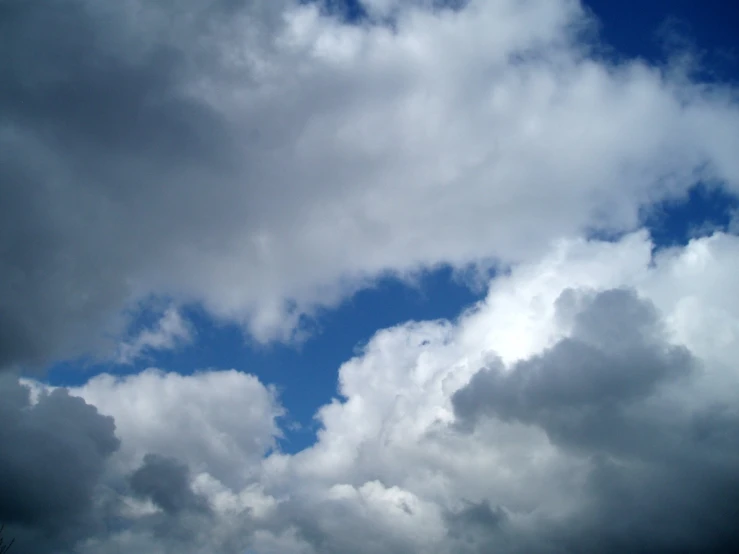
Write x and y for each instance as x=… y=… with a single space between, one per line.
x=264 y=158
x=575 y=409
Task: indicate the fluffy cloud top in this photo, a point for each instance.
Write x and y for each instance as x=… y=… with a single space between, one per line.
x=609 y=425
x=575 y=438
x=264 y=158
x=224 y=420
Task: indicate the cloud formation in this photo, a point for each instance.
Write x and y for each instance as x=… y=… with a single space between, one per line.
x=582 y=405
x=223 y=420
x=166 y=482
x=606 y=394
x=54 y=452
x=579 y=387
x=570 y=411
x=264 y=158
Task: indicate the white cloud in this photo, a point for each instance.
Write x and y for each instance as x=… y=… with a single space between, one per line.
x=596 y=373
x=263 y=159
x=221 y=422
x=394 y=425
x=170 y=331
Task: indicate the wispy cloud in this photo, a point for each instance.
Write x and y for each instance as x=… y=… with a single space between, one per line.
x=171 y=331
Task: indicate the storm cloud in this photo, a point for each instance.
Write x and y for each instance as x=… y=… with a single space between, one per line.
x=54 y=453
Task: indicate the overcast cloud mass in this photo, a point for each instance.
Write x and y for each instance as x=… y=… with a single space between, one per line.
x=264 y=160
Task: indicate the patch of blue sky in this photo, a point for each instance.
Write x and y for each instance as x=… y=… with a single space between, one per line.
x=350 y=11
x=355 y=11
x=305 y=375
x=706 y=209
x=657 y=29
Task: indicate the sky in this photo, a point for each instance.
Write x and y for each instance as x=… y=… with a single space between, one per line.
x=283 y=276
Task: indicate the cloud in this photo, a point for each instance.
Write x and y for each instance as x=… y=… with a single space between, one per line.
x=170 y=331
x=578 y=389
x=614 y=409
x=262 y=159
x=224 y=421
x=576 y=408
x=563 y=413
x=54 y=452
x=166 y=482
x=179 y=472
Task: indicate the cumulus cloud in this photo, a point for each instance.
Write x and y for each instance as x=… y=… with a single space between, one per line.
x=567 y=412
x=54 y=451
x=166 y=482
x=224 y=421
x=263 y=158
x=604 y=394
x=165 y=462
x=580 y=386
x=576 y=408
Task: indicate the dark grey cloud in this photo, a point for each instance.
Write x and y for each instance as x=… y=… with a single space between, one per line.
x=78 y=116
x=60 y=491
x=107 y=165
x=480 y=514
x=185 y=517
x=52 y=458
x=475 y=525
x=166 y=482
x=660 y=479
x=121 y=177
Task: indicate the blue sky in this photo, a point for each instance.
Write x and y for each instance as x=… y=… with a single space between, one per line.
x=328 y=276
x=640 y=31
x=305 y=373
